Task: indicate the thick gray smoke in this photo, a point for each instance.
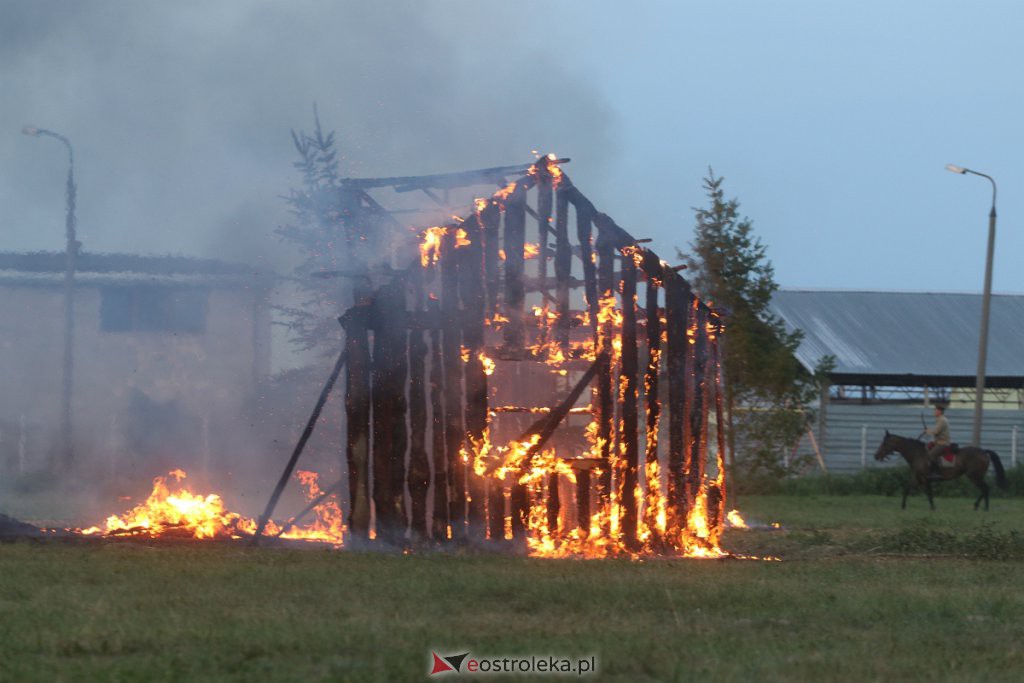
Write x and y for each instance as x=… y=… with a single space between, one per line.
x=179 y=114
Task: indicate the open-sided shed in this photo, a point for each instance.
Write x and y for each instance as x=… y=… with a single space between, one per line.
x=898 y=352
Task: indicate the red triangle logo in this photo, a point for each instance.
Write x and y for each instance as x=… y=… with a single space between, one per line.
x=440 y=665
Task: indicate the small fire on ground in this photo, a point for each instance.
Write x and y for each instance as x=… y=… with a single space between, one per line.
x=171 y=510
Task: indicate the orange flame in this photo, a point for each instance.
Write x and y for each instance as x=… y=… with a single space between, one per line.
x=736 y=520
x=183 y=513
x=430 y=245
x=430 y=242
x=487 y=363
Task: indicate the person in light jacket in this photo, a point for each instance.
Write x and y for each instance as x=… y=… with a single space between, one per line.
x=940 y=437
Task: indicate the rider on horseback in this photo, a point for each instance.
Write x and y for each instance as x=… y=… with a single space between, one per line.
x=940 y=441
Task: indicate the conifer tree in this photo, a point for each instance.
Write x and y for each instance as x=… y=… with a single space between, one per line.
x=319 y=232
x=767 y=390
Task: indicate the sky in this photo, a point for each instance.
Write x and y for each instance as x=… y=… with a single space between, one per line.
x=831 y=122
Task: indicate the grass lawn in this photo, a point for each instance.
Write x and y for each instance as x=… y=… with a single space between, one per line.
x=865 y=592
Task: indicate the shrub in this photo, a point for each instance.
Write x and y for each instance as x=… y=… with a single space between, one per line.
x=881 y=481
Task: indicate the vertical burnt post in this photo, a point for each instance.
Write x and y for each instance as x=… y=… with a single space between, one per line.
x=515 y=289
x=720 y=441
x=583 y=500
x=519 y=502
x=515 y=299
x=677 y=313
x=495 y=509
x=489 y=215
x=629 y=438
x=389 y=377
x=471 y=284
x=584 y=232
x=554 y=503
x=439 y=520
x=606 y=325
x=357 y=409
x=563 y=267
x=419 y=466
x=451 y=351
x=544 y=204
x=699 y=412
x=653 y=405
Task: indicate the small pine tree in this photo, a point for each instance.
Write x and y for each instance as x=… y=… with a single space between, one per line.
x=767 y=389
x=320 y=233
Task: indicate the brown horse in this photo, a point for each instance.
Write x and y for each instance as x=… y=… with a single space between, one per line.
x=970 y=460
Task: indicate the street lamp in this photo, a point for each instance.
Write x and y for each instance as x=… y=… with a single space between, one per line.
x=986 y=303
x=71 y=255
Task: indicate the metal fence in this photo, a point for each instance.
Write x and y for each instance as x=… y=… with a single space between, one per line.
x=853 y=432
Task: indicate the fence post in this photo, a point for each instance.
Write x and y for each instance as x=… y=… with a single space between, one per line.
x=863 y=447
x=1013 y=446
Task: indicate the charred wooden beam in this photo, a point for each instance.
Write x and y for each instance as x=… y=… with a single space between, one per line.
x=440 y=181
x=515 y=294
x=389 y=378
x=490 y=220
x=583 y=501
x=677 y=314
x=563 y=268
x=629 y=437
x=471 y=291
x=451 y=350
x=419 y=465
x=495 y=492
x=439 y=521
x=312 y=505
x=357 y=410
x=698 y=438
x=716 y=504
x=720 y=441
x=653 y=404
x=586 y=410
x=584 y=231
x=544 y=205
x=519 y=504
x=605 y=397
x=554 y=503
x=297 y=451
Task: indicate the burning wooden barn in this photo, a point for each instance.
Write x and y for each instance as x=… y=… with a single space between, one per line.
x=535 y=376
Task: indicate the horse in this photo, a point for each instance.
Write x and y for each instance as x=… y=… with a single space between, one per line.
x=970 y=460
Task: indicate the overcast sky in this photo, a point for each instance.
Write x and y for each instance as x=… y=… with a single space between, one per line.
x=831 y=122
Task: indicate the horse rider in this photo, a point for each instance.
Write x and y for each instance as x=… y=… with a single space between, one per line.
x=940 y=438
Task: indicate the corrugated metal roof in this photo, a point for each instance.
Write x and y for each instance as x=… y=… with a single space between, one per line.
x=89 y=262
x=931 y=335
x=46 y=269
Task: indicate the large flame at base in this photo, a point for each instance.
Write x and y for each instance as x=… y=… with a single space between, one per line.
x=697 y=538
x=172 y=510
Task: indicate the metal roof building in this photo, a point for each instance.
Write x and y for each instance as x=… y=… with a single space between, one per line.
x=906 y=338
x=900 y=348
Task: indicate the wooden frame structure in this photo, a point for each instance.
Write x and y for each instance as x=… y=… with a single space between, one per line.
x=439 y=448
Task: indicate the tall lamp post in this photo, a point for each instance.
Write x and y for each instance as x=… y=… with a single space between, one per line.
x=71 y=256
x=986 y=303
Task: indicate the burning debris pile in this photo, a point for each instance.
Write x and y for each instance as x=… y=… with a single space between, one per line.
x=519 y=391
x=171 y=510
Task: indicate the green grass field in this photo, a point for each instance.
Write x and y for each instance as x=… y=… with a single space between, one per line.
x=864 y=592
